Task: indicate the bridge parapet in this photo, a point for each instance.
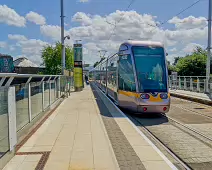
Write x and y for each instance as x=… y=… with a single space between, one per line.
x=200 y=84
x=24 y=99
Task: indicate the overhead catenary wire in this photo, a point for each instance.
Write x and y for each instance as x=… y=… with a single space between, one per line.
x=155 y=26
x=131 y=2
x=182 y=11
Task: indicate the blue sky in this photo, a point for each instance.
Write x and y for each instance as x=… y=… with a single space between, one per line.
x=50 y=10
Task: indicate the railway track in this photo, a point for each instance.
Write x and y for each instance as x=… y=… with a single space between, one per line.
x=173 y=133
x=197 y=109
x=172 y=145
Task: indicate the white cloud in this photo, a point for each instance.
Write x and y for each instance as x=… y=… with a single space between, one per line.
x=17 y=37
x=173 y=50
x=187 y=35
x=191 y=47
x=83 y=1
x=82 y=18
x=3 y=44
x=32 y=48
x=11 y=17
x=12 y=48
x=52 y=31
x=36 y=18
x=95 y=30
x=189 y=22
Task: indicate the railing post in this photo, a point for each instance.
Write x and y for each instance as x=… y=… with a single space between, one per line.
x=29 y=103
x=43 y=96
x=191 y=84
x=206 y=90
x=206 y=85
x=169 y=81
x=12 y=117
x=179 y=83
x=50 y=92
x=55 y=88
x=69 y=87
x=198 y=85
x=59 y=93
x=185 y=83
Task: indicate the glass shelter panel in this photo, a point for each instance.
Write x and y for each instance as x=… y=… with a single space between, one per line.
x=4 y=125
x=22 y=105
x=36 y=98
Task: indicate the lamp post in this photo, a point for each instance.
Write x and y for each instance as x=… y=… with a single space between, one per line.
x=209 y=46
x=62 y=36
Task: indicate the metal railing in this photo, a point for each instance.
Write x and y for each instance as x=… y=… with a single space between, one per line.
x=200 y=84
x=23 y=98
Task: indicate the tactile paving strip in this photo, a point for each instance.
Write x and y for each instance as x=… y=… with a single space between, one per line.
x=125 y=154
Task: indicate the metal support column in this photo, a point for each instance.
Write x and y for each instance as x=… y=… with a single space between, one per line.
x=209 y=46
x=62 y=36
x=29 y=102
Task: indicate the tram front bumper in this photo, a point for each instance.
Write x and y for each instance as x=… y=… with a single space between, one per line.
x=153 y=108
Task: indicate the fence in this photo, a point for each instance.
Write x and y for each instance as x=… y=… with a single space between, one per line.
x=23 y=98
x=191 y=83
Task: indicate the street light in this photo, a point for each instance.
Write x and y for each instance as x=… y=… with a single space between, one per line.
x=62 y=36
x=63 y=60
x=67 y=36
x=209 y=46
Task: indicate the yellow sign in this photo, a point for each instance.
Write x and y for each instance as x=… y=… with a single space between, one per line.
x=78 y=77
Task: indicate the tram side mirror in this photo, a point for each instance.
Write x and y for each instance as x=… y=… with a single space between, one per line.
x=167 y=54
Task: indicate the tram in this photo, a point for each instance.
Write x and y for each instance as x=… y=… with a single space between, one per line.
x=136 y=77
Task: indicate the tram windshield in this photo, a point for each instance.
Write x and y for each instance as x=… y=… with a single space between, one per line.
x=151 y=69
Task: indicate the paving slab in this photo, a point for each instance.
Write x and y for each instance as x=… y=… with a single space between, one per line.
x=87 y=132
x=73 y=137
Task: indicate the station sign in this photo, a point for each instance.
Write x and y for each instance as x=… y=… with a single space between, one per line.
x=78 y=64
x=78 y=71
x=77 y=52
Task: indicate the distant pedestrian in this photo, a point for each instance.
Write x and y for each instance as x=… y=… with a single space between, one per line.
x=86 y=79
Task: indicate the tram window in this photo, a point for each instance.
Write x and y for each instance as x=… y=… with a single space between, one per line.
x=126 y=74
x=151 y=69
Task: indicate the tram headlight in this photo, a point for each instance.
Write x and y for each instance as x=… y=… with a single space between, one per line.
x=145 y=96
x=163 y=96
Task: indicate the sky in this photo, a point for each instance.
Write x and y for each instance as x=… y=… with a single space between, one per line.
x=26 y=27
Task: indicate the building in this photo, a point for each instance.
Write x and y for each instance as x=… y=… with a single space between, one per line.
x=23 y=62
x=6 y=64
x=24 y=66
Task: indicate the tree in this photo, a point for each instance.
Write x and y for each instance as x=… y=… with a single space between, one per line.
x=176 y=60
x=194 y=64
x=171 y=68
x=52 y=58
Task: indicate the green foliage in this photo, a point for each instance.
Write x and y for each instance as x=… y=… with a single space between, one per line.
x=176 y=60
x=171 y=69
x=194 y=64
x=52 y=58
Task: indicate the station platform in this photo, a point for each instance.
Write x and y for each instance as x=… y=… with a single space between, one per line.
x=193 y=96
x=87 y=132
